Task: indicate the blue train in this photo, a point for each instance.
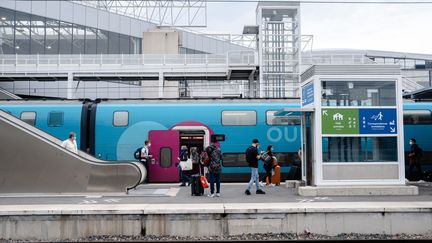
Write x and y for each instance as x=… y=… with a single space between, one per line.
x=113 y=129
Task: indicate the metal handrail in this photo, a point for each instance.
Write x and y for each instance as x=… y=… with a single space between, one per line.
x=231 y=58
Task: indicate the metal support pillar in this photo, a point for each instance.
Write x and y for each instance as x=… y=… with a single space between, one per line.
x=161 y=85
x=70 y=86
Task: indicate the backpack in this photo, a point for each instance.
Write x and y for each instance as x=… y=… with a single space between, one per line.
x=419 y=153
x=204 y=158
x=215 y=159
x=137 y=153
x=266 y=158
x=247 y=152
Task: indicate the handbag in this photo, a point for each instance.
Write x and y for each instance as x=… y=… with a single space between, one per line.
x=204 y=182
x=186 y=165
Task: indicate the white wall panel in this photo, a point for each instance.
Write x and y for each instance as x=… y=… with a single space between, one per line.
x=79 y=13
x=103 y=20
x=125 y=25
x=24 y=6
x=10 y=4
x=39 y=8
x=114 y=22
x=53 y=9
x=91 y=17
x=66 y=11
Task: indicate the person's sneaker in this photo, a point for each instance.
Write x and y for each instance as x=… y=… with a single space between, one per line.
x=217 y=194
x=247 y=192
x=261 y=183
x=259 y=191
x=183 y=184
x=211 y=195
x=272 y=184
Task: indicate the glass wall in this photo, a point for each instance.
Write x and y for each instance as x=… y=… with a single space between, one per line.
x=359 y=149
x=22 y=33
x=358 y=93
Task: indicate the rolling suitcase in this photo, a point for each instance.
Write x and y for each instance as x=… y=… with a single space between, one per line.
x=276 y=176
x=197 y=188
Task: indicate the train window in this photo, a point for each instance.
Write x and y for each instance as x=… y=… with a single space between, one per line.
x=287 y=158
x=28 y=117
x=273 y=120
x=121 y=118
x=414 y=117
x=55 y=119
x=165 y=157
x=234 y=160
x=239 y=118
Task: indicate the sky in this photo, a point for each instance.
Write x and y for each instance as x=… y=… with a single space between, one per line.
x=401 y=28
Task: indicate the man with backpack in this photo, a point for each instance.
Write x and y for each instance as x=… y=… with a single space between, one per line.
x=215 y=167
x=415 y=154
x=252 y=157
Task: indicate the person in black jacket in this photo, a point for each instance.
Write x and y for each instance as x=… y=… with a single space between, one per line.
x=268 y=166
x=414 y=157
x=252 y=157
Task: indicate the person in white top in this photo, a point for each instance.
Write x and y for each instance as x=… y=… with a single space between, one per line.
x=146 y=156
x=70 y=143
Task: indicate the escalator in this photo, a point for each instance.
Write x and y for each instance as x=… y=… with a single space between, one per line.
x=32 y=161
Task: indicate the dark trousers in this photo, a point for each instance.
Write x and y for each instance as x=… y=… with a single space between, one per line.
x=268 y=174
x=144 y=162
x=215 y=177
x=416 y=165
x=183 y=177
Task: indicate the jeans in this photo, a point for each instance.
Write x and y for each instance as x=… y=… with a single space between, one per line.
x=417 y=166
x=215 y=177
x=254 y=178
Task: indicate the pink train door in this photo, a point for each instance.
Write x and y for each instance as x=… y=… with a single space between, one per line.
x=165 y=151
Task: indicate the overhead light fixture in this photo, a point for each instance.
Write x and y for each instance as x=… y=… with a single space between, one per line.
x=17 y=47
x=3 y=18
x=48 y=47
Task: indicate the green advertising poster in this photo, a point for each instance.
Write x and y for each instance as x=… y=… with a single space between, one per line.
x=340 y=121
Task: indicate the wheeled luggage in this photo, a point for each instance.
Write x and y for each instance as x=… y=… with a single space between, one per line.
x=197 y=188
x=276 y=176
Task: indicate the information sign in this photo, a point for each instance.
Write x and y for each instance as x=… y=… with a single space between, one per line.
x=340 y=121
x=307 y=94
x=378 y=121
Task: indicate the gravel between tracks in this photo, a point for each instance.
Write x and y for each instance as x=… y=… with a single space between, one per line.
x=246 y=237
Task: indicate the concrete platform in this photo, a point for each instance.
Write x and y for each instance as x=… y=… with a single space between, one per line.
x=311 y=191
x=166 y=209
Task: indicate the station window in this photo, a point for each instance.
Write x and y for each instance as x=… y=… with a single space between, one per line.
x=121 y=118
x=358 y=93
x=239 y=118
x=273 y=120
x=360 y=149
x=55 y=119
x=28 y=117
x=165 y=157
x=417 y=117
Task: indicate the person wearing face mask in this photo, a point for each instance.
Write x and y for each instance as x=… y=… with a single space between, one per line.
x=414 y=156
x=70 y=143
x=252 y=157
x=268 y=165
x=146 y=156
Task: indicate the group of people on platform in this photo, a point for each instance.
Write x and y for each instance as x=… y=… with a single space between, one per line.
x=213 y=167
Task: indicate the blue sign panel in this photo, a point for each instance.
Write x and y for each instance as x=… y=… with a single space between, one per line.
x=378 y=121
x=308 y=94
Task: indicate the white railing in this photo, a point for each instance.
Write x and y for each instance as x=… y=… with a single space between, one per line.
x=336 y=59
x=246 y=58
